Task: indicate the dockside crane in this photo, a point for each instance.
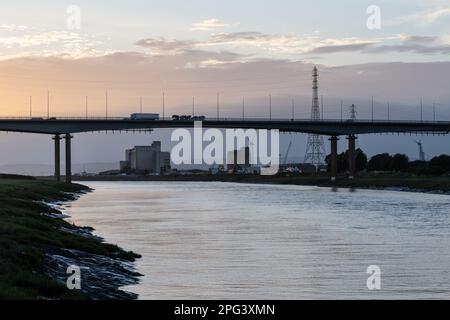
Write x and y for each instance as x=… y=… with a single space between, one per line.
x=421 y=152
x=287 y=153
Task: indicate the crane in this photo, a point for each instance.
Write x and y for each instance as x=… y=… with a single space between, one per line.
x=287 y=152
x=421 y=152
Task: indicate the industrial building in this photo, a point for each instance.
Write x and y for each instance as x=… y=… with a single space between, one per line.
x=238 y=161
x=146 y=160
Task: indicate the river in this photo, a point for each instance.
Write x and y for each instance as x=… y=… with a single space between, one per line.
x=212 y=240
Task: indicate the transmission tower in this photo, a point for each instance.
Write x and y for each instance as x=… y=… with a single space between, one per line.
x=315 y=148
x=353 y=112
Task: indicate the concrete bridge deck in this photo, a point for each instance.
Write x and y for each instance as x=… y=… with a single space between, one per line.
x=322 y=127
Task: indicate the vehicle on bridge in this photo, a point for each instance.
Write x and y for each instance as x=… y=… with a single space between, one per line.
x=144 y=116
x=198 y=118
x=176 y=117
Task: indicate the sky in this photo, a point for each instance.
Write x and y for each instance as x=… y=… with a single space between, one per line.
x=76 y=51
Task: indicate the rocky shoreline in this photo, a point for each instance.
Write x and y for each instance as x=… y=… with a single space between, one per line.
x=38 y=245
x=102 y=277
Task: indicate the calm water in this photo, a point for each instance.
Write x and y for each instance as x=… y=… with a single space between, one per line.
x=221 y=240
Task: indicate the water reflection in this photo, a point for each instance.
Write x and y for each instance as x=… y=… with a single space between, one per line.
x=218 y=240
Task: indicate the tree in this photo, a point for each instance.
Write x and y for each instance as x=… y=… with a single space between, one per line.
x=400 y=162
x=442 y=162
x=342 y=161
x=380 y=162
x=360 y=160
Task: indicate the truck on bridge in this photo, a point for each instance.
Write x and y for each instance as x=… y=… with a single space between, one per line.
x=144 y=116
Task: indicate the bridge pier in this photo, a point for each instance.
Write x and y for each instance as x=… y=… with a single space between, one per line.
x=68 y=138
x=334 y=166
x=351 y=156
x=57 y=138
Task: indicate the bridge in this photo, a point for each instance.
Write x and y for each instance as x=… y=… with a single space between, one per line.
x=64 y=128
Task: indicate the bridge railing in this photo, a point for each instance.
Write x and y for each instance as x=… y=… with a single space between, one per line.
x=234 y=119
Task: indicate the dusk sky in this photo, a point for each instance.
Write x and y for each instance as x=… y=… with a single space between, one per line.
x=240 y=49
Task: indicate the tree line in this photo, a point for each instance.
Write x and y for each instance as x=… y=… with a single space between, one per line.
x=393 y=163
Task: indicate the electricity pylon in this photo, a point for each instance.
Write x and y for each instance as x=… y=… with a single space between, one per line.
x=315 y=148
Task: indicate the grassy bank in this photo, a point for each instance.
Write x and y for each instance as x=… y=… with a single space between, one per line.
x=406 y=181
x=26 y=234
x=402 y=181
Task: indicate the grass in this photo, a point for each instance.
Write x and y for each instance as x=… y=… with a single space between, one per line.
x=25 y=234
x=387 y=180
x=422 y=183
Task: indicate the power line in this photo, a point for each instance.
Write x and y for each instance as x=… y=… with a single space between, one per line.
x=106 y=103
x=270 y=106
x=421 y=109
x=389 y=111
x=199 y=90
x=321 y=104
x=372 y=108
x=293 y=109
x=164 y=104
x=39 y=79
x=434 y=111
x=48 y=104
x=218 y=102
x=86 y=107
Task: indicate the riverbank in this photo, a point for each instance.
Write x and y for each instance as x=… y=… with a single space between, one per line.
x=401 y=182
x=37 y=245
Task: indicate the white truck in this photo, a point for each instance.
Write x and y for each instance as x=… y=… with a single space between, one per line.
x=144 y=116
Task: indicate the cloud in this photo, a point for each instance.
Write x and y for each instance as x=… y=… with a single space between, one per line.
x=64 y=43
x=208 y=59
x=426 y=45
x=341 y=48
x=399 y=43
x=238 y=41
x=188 y=50
x=419 y=39
x=257 y=39
x=250 y=37
x=208 y=25
x=12 y=27
x=213 y=63
x=44 y=38
x=415 y=48
x=162 y=46
x=423 y=18
x=128 y=75
x=445 y=39
x=288 y=45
